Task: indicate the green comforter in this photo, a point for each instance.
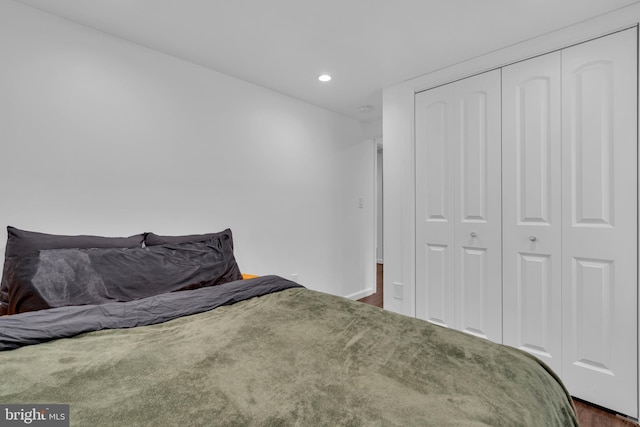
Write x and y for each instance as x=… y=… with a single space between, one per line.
x=295 y=357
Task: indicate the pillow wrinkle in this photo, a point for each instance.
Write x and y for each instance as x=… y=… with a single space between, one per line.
x=152 y=239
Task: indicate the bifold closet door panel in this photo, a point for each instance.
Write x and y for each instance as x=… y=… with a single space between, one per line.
x=531 y=207
x=599 y=229
x=477 y=214
x=458 y=213
x=434 y=205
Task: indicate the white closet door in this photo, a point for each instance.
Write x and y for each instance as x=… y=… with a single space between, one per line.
x=531 y=207
x=599 y=229
x=434 y=205
x=477 y=214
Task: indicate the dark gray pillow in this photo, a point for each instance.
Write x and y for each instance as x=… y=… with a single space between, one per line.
x=21 y=243
x=62 y=277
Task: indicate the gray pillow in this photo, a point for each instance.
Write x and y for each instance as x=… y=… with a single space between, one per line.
x=61 y=277
x=21 y=243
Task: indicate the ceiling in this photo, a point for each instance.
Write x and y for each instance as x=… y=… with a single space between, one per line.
x=366 y=45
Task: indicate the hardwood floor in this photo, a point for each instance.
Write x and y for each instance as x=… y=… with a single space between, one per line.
x=588 y=415
x=377 y=298
x=591 y=416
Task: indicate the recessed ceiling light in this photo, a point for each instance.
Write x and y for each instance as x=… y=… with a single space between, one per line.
x=324 y=78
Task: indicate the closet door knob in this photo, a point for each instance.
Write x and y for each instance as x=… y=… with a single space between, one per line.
x=533 y=238
x=473 y=234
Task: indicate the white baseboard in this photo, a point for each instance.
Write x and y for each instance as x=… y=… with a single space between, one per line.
x=361 y=294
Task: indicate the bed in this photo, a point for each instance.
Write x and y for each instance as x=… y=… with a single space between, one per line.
x=185 y=344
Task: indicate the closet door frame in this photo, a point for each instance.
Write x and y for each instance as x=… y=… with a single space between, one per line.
x=398 y=132
x=399 y=127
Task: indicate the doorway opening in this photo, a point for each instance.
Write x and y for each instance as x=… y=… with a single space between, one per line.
x=377 y=298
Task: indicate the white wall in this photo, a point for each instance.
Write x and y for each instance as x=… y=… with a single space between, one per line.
x=399 y=161
x=102 y=136
x=358 y=218
x=373 y=129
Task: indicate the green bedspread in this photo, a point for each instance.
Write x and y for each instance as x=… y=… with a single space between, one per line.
x=296 y=357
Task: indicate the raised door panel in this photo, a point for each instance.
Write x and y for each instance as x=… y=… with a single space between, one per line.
x=531 y=207
x=599 y=137
x=474 y=306
x=434 y=205
x=477 y=214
